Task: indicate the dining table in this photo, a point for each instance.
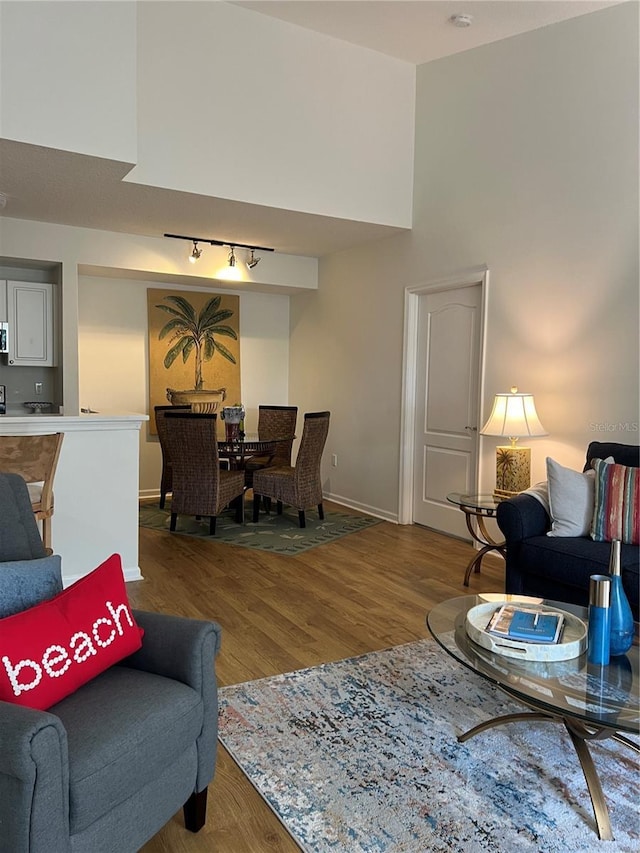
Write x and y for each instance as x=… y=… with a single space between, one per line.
x=238 y=451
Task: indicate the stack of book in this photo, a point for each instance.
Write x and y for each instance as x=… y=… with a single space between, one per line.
x=526 y=624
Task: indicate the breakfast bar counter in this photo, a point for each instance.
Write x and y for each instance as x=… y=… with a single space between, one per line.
x=95 y=487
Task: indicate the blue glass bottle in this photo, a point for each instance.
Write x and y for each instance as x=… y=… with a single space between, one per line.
x=598 y=637
x=620 y=616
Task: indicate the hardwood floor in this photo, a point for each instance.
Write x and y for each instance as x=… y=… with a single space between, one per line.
x=367 y=591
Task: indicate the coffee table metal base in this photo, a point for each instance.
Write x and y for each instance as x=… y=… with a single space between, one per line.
x=580 y=734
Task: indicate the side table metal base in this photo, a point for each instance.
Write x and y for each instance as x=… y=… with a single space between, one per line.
x=474 y=564
x=484 y=538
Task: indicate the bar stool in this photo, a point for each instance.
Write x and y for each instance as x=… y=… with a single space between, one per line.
x=35 y=459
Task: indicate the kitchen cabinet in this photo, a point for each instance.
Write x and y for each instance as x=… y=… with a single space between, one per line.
x=30 y=314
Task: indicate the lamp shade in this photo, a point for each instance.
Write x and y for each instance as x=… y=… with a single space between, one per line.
x=514 y=415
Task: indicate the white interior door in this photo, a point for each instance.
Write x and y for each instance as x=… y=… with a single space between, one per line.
x=447 y=406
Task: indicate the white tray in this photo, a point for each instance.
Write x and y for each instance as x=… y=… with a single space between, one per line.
x=572 y=644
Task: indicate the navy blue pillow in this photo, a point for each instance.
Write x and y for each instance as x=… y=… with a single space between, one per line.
x=623 y=454
x=25 y=583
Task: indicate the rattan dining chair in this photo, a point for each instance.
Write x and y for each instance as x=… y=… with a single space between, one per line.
x=166 y=478
x=35 y=458
x=273 y=422
x=200 y=486
x=299 y=486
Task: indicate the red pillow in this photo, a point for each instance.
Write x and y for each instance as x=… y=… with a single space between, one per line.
x=52 y=649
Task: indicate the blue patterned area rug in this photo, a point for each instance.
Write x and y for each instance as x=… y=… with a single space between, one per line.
x=280 y=534
x=361 y=756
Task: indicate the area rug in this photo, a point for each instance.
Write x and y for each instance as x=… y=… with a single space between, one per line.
x=278 y=533
x=361 y=756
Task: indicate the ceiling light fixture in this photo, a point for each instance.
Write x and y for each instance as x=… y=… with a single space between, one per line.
x=232 y=258
x=195 y=254
x=461 y=20
x=253 y=261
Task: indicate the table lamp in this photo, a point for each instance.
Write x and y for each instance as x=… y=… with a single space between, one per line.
x=513 y=415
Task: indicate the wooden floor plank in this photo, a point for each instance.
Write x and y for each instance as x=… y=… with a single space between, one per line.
x=366 y=591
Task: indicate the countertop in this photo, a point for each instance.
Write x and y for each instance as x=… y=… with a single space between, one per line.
x=13 y=424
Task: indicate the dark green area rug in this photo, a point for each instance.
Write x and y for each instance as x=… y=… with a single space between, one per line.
x=277 y=533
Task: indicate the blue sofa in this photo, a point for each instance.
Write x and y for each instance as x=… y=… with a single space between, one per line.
x=559 y=567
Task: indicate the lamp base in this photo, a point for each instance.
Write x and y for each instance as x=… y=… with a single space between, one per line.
x=504 y=493
x=513 y=470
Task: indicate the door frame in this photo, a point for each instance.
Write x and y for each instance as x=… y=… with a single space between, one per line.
x=467 y=278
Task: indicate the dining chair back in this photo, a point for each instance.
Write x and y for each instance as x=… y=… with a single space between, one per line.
x=166 y=478
x=35 y=459
x=200 y=487
x=299 y=486
x=273 y=422
x=278 y=422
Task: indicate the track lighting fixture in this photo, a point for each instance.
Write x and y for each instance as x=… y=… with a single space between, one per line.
x=231 y=271
x=253 y=261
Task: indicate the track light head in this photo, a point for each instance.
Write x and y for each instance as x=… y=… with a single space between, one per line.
x=253 y=261
x=195 y=254
x=232 y=258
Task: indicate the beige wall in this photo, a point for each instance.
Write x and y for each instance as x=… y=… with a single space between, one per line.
x=113 y=355
x=526 y=161
x=127 y=256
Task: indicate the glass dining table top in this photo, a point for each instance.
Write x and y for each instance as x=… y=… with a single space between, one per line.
x=249 y=443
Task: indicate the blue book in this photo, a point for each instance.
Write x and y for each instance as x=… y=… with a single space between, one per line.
x=529 y=625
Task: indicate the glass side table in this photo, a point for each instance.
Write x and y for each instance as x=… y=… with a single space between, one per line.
x=478 y=507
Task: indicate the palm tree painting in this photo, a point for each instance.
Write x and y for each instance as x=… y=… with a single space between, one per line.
x=196 y=332
x=194 y=349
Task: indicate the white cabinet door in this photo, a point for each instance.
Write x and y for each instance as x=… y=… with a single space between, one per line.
x=30 y=316
x=3 y=302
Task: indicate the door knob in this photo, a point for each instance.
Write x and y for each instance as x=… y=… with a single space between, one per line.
x=472 y=429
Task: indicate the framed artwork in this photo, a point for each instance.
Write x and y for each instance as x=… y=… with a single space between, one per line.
x=194 y=350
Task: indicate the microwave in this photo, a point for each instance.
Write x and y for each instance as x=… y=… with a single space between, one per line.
x=4 y=337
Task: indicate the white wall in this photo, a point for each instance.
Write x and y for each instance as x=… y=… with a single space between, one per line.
x=527 y=161
x=241 y=106
x=113 y=355
x=66 y=76
x=209 y=98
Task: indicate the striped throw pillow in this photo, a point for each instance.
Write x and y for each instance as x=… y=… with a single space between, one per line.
x=616 y=513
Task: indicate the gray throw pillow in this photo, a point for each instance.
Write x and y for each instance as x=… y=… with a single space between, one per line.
x=25 y=583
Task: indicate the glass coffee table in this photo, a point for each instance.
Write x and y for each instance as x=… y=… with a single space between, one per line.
x=593 y=702
x=478 y=507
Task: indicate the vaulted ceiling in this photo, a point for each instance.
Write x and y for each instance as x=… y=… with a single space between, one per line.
x=56 y=186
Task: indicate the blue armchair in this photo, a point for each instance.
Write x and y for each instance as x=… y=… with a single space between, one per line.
x=108 y=766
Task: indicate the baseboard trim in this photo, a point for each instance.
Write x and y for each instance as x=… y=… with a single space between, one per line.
x=132 y=573
x=366 y=508
x=154 y=495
